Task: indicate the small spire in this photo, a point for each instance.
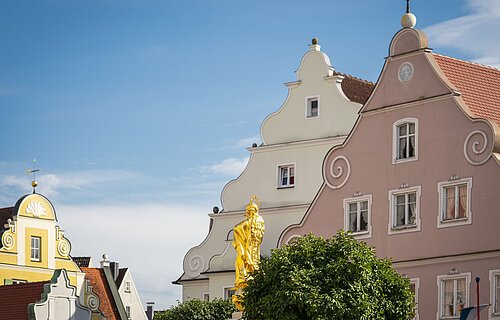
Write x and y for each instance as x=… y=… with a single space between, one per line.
x=33 y=171
x=408 y=20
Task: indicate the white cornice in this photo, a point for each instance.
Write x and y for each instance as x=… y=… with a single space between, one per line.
x=410 y=104
x=299 y=144
x=447 y=259
x=262 y=211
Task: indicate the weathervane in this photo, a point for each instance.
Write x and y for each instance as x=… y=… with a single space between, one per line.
x=33 y=171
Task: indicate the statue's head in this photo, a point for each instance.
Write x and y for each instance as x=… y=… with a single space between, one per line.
x=253 y=206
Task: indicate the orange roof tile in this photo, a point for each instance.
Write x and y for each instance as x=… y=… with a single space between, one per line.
x=356 y=89
x=15 y=298
x=478 y=84
x=101 y=288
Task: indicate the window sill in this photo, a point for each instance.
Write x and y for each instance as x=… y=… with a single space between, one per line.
x=454 y=223
x=285 y=187
x=398 y=161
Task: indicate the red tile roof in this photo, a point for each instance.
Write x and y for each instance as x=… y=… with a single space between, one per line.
x=478 y=84
x=14 y=299
x=356 y=89
x=101 y=288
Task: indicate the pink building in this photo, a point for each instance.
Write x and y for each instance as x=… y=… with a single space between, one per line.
x=418 y=178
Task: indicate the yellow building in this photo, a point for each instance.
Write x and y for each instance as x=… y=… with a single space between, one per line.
x=32 y=245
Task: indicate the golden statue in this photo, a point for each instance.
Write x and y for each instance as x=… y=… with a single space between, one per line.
x=247 y=237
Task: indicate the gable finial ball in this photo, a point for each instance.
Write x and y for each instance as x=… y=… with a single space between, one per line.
x=315 y=41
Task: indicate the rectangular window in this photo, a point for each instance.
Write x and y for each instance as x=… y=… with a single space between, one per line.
x=229 y=293
x=35 y=248
x=405 y=206
x=454 y=202
x=312 y=107
x=286 y=176
x=405 y=210
x=127 y=311
x=414 y=286
x=127 y=286
x=357 y=215
x=495 y=294
x=454 y=295
x=405 y=140
x=206 y=296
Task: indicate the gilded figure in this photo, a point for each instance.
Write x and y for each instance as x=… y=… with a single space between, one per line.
x=246 y=240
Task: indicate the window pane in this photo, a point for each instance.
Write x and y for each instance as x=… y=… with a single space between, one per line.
x=402 y=148
x=353 y=222
x=363 y=224
x=411 y=147
x=364 y=205
x=402 y=130
x=497 y=295
x=400 y=215
x=353 y=207
x=411 y=213
x=412 y=128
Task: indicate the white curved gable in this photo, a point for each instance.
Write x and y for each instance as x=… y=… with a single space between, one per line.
x=336 y=114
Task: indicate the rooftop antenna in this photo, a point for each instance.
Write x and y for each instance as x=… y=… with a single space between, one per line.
x=33 y=171
x=407 y=6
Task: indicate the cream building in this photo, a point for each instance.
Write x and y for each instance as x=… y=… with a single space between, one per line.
x=284 y=171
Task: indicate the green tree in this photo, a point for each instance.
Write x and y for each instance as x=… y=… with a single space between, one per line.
x=217 y=309
x=337 y=278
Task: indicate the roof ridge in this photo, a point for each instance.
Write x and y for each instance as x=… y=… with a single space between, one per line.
x=354 y=77
x=467 y=61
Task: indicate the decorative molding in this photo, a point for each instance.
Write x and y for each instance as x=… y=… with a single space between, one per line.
x=8 y=240
x=476 y=143
x=36 y=209
x=196 y=264
x=336 y=172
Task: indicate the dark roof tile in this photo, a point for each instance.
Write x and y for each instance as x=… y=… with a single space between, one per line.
x=15 y=298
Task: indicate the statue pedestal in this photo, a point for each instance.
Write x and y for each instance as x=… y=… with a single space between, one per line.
x=237 y=315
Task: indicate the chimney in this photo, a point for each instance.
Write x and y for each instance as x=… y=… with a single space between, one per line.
x=104 y=262
x=150 y=310
x=115 y=269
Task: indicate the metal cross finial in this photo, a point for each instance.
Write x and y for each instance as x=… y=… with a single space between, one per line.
x=407 y=6
x=33 y=171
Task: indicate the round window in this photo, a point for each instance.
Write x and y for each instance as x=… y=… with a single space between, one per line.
x=405 y=72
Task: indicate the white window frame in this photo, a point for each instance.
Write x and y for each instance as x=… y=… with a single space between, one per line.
x=127 y=311
x=392 y=210
x=127 y=286
x=441 y=223
x=279 y=177
x=493 y=284
x=226 y=291
x=359 y=234
x=36 y=251
x=395 y=140
x=440 y=281
x=206 y=296
x=416 y=282
x=308 y=113
x=18 y=281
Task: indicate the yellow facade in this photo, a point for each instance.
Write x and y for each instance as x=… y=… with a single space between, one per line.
x=34 y=217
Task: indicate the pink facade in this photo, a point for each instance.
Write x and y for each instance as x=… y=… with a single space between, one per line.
x=418 y=178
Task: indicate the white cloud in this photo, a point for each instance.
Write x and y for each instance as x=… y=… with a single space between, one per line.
x=230 y=166
x=150 y=239
x=472 y=34
x=51 y=184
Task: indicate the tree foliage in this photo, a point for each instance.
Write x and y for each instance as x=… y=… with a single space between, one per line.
x=217 y=309
x=337 y=278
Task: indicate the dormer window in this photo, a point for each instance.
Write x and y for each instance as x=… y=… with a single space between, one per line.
x=312 y=107
x=405 y=140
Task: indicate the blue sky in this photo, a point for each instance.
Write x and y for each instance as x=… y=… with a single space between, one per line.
x=138 y=112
